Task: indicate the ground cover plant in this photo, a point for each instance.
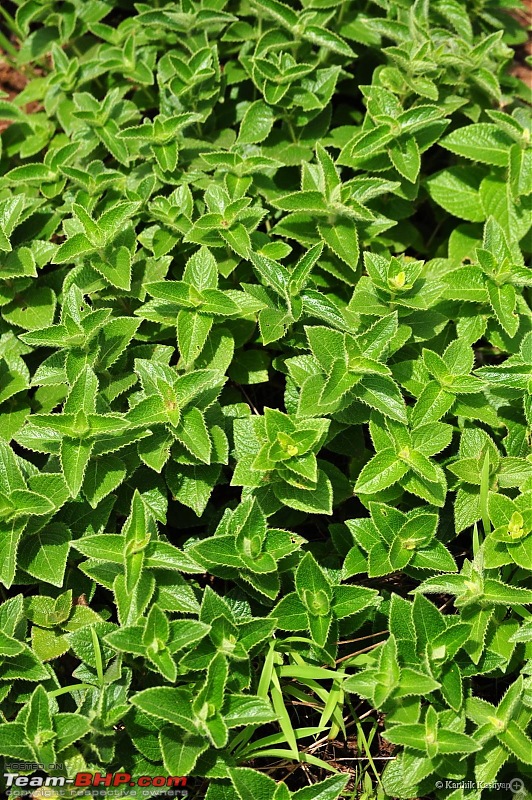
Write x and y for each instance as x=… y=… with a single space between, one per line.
x=265 y=398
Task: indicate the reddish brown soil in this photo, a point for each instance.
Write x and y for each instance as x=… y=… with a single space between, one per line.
x=12 y=82
x=519 y=68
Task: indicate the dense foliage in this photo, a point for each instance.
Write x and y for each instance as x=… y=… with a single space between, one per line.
x=265 y=386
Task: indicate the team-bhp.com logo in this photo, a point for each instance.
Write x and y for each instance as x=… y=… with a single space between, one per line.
x=90 y=780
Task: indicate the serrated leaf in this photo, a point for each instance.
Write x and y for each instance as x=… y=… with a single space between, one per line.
x=103 y=475
x=342 y=239
x=456 y=189
x=45 y=554
x=180 y=750
x=382 y=471
x=74 y=456
x=193 y=434
x=318 y=499
x=256 y=123
x=192 y=332
x=483 y=142
x=11 y=533
x=382 y=393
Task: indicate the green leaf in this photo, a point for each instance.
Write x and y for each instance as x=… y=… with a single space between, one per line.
x=382 y=393
x=502 y=594
x=103 y=475
x=250 y=784
x=318 y=499
x=382 y=471
x=102 y=546
x=69 y=728
x=197 y=370
x=483 y=142
x=193 y=485
x=115 y=267
x=193 y=434
x=310 y=577
x=256 y=123
x=38 y=718
x=433 y=402
x=456 y=189
x=303 y=201
x=329 y=789
x=24 y=666
x=10 y=535
x=5 y=244
x=450 y=742
x=499 y=204
x=75 y=454
x=422 y=466
x=157 y=629
x=180 y=750
x=10 y=646
x=44 y=555
x=502 y=300
x=201 y=270
x=238 y=239
x=163 y=556
x=247 y=710
x=342 y=239
x=327 y=39
x=74 y=247
x=412 y=682
x=34 y=308
x=409 y=735
x=192 y=332
x=278 y=11
x=12 y=742
x=404 y=154
x=352 y=599
x=517 y=742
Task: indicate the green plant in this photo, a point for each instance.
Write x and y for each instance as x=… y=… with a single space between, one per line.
x=265 y=357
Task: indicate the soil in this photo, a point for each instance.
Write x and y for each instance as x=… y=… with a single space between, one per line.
x=12 y=82
x=520 y=68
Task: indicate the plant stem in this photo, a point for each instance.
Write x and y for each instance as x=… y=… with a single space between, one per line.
x=8 y=47
x=75 y=687
x=11 y=23
x=98 y=657
x=484 y=492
